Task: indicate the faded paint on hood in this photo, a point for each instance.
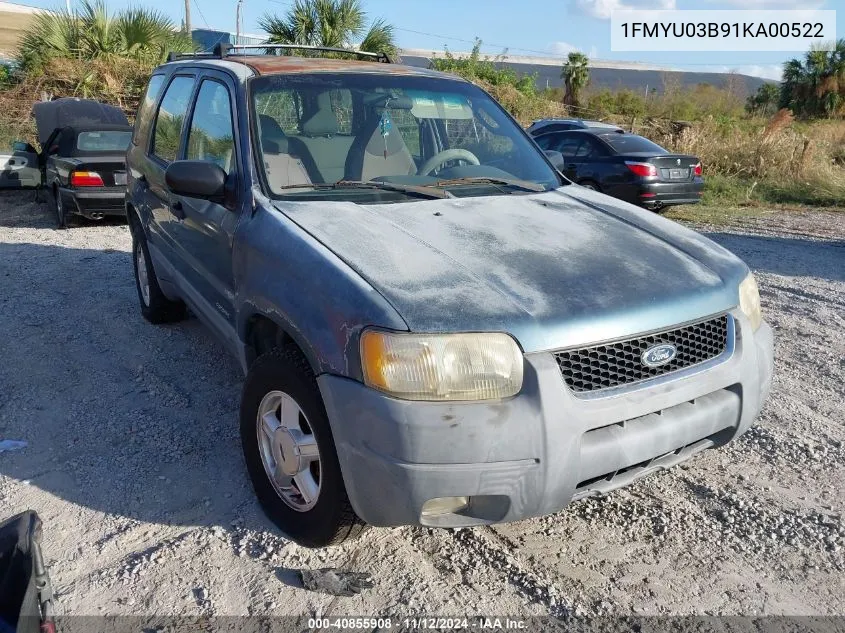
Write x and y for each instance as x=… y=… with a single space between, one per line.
x=552 y=269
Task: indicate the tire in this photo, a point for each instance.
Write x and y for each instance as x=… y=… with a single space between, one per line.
x=155 y=307
x=327 y=518
x=58 y=208
x=590 y=184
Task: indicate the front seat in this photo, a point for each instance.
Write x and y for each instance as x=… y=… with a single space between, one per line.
x=373 y=155
x=281 y=163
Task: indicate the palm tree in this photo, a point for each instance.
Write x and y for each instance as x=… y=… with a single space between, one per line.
x=90 y=32
x=815 y=86
x=765 y=100
x=332 y=23
x=576 y=75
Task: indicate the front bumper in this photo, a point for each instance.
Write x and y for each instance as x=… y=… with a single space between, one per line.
x=96 y=203
x=534 y=453
x=658 y=194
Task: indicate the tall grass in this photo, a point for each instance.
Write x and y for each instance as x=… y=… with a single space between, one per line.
x=119 y=81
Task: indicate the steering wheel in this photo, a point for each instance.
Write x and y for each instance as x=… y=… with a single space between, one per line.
x=445 y=156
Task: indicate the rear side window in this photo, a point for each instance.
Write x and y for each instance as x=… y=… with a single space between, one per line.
x=547 y=141
x=106 y=141
x=569 y=145
x=145 y=109
x=170 y=117
x=211 y=137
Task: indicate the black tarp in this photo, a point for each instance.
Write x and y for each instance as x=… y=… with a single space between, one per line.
x=73 y=112
x=21 y=573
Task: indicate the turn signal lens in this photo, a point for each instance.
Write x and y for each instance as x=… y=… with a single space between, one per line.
x=86 y=179
x=749 y=301
x=442 y=366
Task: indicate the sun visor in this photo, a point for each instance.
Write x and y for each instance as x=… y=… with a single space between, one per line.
x=428 y=105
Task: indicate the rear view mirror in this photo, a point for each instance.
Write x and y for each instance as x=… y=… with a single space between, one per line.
x=196 y=179
x=555 y=158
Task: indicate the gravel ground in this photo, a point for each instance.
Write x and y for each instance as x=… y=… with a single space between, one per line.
x=134 y=464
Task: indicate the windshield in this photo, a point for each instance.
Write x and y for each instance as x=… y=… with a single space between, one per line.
x=625 y=143
x=438 y=134
x=104 y=141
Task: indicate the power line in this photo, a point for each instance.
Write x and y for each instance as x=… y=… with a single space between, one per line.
x=202 y=15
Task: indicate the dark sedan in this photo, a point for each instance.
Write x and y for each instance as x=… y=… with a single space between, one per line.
x=85 y=172
x=627 y=166
x=83 y=157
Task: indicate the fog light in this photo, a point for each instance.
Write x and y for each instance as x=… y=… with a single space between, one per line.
x=444 y=505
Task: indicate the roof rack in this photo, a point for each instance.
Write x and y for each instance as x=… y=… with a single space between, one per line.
x=223 y=50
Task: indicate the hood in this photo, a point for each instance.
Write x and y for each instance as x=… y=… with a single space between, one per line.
x=553 y=269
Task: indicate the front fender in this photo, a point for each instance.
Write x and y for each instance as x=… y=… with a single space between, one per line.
x=284 y=274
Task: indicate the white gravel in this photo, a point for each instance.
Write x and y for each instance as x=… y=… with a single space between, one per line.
x=134 y=465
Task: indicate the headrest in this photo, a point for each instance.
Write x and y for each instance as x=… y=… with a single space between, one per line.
x=323 y=122
x=273 y=138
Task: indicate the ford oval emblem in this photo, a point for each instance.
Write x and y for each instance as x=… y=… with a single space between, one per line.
x=659 y=354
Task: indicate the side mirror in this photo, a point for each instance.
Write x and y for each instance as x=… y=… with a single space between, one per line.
x=555 y=158
x=196 y=179
x=23 y=146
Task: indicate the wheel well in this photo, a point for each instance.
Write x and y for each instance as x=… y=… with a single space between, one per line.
x=132 y=218
x=263 y=335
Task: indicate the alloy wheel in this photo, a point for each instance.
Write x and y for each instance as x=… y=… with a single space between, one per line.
x=143 y=277
x=288 y=450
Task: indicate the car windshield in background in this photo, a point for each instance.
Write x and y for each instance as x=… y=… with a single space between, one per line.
x=103 y=141
x=628 y=143
x=392 y=132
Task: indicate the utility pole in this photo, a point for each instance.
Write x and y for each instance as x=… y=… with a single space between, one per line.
x=188 y=17
x=238 y=10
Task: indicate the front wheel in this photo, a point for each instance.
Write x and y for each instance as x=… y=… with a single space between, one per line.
x=290 y=453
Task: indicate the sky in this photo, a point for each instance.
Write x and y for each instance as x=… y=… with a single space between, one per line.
x=523 y=27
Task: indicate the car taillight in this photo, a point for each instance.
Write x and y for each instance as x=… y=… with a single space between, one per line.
x=697 y=169
x=86 y=179
x=642 y=169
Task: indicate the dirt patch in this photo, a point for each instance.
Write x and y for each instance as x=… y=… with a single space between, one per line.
x=134 y=464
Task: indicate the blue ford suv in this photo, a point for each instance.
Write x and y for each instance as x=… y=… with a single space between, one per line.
x=436 y=327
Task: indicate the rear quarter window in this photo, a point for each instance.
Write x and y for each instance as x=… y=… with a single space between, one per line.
x=145 y=108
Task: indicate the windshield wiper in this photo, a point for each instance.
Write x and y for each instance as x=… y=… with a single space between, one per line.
x=509 y=182
x=419 y=190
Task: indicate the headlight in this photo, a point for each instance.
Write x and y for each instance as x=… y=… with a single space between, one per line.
x=749 y=301
x=442 y=366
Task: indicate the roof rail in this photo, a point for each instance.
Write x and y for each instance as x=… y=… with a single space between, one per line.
x=175 y=57
x=227 y=49
x=223 y=50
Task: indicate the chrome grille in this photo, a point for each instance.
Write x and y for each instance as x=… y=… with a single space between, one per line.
x=619 y=364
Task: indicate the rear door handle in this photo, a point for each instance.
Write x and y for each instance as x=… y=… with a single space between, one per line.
x=177 y=210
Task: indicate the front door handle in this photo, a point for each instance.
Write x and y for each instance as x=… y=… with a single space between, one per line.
x=177 y=210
